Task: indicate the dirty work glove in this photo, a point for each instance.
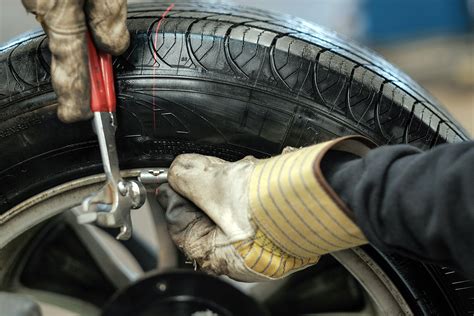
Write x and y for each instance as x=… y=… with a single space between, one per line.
x=257 y=220
x=65 y=22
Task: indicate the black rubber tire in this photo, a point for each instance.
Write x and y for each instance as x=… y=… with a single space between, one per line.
x=228 y=82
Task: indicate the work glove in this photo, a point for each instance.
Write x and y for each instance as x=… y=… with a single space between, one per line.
x=256 y=220
x=66 y=22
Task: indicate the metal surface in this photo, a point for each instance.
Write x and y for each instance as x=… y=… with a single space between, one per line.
x=373 y=279
x=108 y=262
x=154 y=176
x=55 y=304
x=49 y=203
x=182 y=293
x=110 y=207
x=105 y=127
x=167 y=251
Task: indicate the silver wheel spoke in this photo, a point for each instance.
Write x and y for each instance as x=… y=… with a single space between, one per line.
x=167 y=252
x=109 y=261
x=58 y=304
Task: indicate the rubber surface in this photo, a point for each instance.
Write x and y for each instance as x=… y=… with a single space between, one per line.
x=229 y=82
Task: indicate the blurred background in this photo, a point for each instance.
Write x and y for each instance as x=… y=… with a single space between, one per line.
x=431 y=40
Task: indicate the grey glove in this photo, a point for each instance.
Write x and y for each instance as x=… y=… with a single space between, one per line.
x=201 y=239
x=66 y=22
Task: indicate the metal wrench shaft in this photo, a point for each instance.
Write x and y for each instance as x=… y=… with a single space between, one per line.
x=105 y=127
x=110 y=207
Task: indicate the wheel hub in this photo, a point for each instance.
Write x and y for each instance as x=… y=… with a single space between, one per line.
x=182 y=293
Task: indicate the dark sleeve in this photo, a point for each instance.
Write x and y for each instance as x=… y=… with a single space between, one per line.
x=419 y=204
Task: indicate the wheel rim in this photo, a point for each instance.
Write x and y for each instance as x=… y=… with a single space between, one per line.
x=17 y=222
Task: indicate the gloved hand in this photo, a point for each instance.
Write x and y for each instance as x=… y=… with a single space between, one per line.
x=257 y=220
x=66 y=22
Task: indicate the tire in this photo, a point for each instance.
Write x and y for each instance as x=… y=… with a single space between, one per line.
x=229 y=82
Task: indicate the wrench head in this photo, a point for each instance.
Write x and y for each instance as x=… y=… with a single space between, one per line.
x=111 y=206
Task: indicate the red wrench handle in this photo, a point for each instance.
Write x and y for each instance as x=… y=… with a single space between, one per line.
x=102 y=79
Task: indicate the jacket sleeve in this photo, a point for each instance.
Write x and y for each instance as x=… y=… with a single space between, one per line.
x=419 y=204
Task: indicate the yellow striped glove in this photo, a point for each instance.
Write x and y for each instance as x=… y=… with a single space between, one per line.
x=256 y=220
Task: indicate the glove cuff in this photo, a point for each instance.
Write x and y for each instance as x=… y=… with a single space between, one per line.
x=262 y=256
x=293 y=205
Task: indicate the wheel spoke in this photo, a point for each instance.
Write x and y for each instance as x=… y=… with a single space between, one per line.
x=58 y=304
x=107 y=257
x=167 y=252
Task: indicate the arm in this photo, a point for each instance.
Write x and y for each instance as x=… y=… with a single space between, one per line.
x=263 y=219
x=420 y=204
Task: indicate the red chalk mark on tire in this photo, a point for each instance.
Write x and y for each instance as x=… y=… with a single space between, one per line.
x=155 y=56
